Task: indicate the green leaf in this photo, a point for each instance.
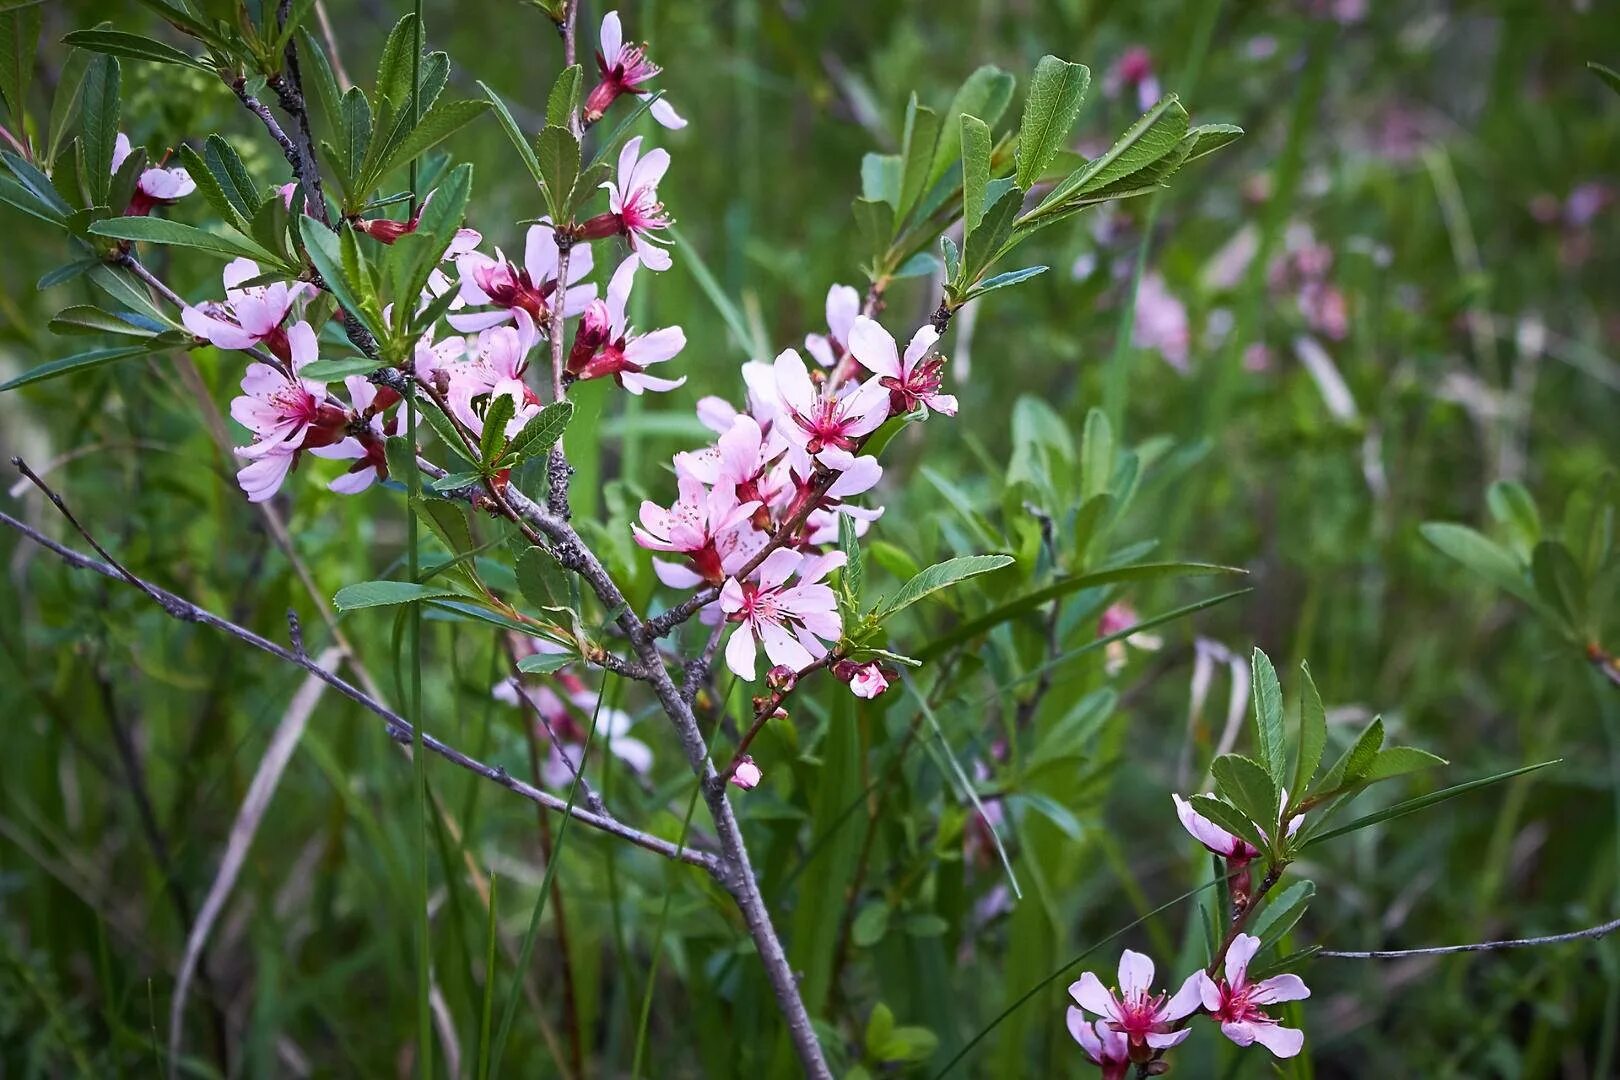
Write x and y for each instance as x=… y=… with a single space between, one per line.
x=86 y=319
x=325 y=251
x=99 y=123
x=38 y=186
x=1230 y=818
x=318 y=74
x=65 y=101
x=394 y=66
x=129 y=290
x=853 y=577
x=1282 y=912
x=558 y=152
x=1154 y=135
x=212 y=190
x=1268 y=718
x=448 y=521
x=545 y=663
x=513 y=132
x=953 y=259
x=563 y=102
x=225 y=165
x=1312 y=733
x=984 y=243
x=438 y=124
x=370 y=594
x=875 y=220
x=539 y=434
x=1356 y=759
x=985 y=96
x=500 y=412
x=940 y=576
x=1481 y=555
x=74 y=365
x=152 y=230
x=1249 y=787
x=1512 y=506
x=541 y=580
x=1208 y=138
x=870 y=925
x=19 y=48
x=1398 y=761
x=354 y=141
x=1053 y=105
x=1030 y=602
x=916 y=154
x=880 y=178
x=1606 y=73
x=134 y=47
x=879 y=1026
x=1001 y=281
x=610 y=144
x=975 y=139
x=331 y=369
x=1423 y=802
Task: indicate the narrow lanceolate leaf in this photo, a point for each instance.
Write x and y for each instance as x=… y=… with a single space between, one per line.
x=975 y=136
x=1398 y=761
x=1154 y=135
x=152 y=230
x=87 y=319
x=941 y=576
x=853 y=577
x=1011 y=277
x=19 y=47
x=74 y=365
x=917 y=153
x=1208 y=138
x=513 y=132
x=1053 y=105
x=225 y=165
x=1284 y=910
x=545 y=663
x=558 y=152
x=539 y=434
x=1268 y=718
x=134 y=47
x=563 y=101
x=985 y=242
x=99 y=124
x=325 y=251
x=441 y=121
x=369 y=594
x=500 y=413
x=212 y=190
x=1312 y=733
x=1480 y=554
x=984 y=95
x=1423 y=802
x=1356 y=760
x=1250 y=788
x=1560 y=584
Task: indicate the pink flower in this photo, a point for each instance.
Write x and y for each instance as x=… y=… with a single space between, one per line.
x=530 y=288
x=1212 y=836
x=285 y=415
x=567 y=716
x=913 y=379
x=1161 y=323
x=1134 y=70
x=701 y=524
x=604 y=345
x=747 y=775
x=1236 y=1002
x=625 y=70
x=866 y=680
x=789 y=621
x=156 y=186
x=495 y=368
x=718 y=414
x=1142 y=1017
x=818 y=417
x=633 y=202
x=843 y=305
x=1105 y=1047
x=1121 y=616
x=251 y=314
x=368 y=434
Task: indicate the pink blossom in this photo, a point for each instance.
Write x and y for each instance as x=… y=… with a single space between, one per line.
x=368 y=434
x=285 y=415
x=633 y=203
x=625 y=70
x=913 y=379
x=791 y=622
x=818 y=417
x=718 y=414
x=866 y=680
x=1144 y=1018
x=747 y=775
x=1105 y=1047
x=529 y=288
x=567 y=716
x=604 y=346
x=1121 y=616
x=843 y=305
x=702 y=525
x=1212 y=836
x=495 y=368
x=1161 y=323
x=250 y=315
x=1236 y=1002
x=156 y=186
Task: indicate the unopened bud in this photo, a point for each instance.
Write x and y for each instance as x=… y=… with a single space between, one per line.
x=781 y=677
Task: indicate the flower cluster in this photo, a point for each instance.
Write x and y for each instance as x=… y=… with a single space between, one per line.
x=1129 y=1024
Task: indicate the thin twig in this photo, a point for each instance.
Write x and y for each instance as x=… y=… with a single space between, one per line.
x=1589 y=934
x=398 y=728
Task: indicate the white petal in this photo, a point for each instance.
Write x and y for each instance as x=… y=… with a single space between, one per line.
x=874 y=347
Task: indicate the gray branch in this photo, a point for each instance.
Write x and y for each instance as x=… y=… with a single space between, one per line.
x=1591 y=933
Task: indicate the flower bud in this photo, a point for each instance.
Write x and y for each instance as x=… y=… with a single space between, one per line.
x=781 y=677
x=747 y=775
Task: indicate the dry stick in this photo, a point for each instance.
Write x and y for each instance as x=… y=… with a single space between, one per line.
x=1591 y=933
x=398 y=729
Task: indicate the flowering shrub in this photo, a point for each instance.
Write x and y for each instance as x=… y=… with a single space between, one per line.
x=384 y=333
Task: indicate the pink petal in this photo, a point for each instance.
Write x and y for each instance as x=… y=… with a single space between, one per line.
x=1280 y=988
x=656 y=347
x=1285 y=1042
x=611 y=40
x=1243 y=948
x=1083 y=1033
x=1163 y=1040
x=922 y=341
x=874 y=347
x=1186 y=1001
x=1135 y=974
x=663 y=112
x=777 y=567
x=740 y=653
x=1090 y=994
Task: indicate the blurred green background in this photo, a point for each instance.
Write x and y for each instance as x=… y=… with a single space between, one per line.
x=1427 y=198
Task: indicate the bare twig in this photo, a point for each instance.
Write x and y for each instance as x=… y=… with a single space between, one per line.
x=1591 y=933
x=398 y=728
